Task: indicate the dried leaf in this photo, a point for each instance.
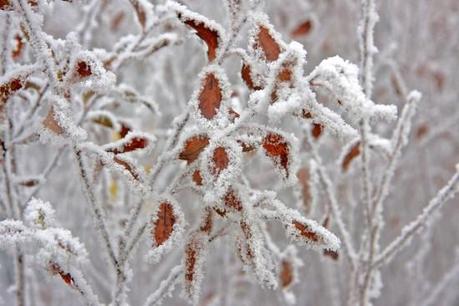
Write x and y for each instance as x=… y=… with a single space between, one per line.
x=193 y=147
x=276 y=147
x=286 y=274
x=128 y=144
x=164 y=224
x=220 y=160
x=266 y=42
x=246 y=74
x=197 y=178
x=302 y=29
x=129 y=167
x=52 y=124
x=305 y=231
x=8 y=88
x=83 y=69
x=317 y=130
x=210 y=97
x=232 y=200
x=303 y=178
x=55 y=269
x=349 y=157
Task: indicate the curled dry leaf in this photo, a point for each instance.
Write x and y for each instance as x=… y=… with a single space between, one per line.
x=302 y=29
x=128 y=167
x=206 y=30
x=55 y=269
x=164 y=224
x=193 y=147
x=350 y=156
x=210 y=97
x=276 y=147
x=128 y=144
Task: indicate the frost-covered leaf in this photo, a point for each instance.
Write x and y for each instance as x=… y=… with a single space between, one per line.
x=167 y=224
x=192 y=147
x=208 y=30
x=264 y=40
x=131 y=142
x=303 y=29
x=194 y=260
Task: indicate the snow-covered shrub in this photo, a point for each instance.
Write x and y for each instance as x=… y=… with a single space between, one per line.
x=212 y=146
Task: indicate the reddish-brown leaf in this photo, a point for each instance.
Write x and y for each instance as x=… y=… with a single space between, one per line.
x=303 y=178
x=332 y=254
x=220 y=160
x=246 y=74
x=210 y=97
x=207 y=222
x=83 y=69
x=353 y=153
x=232 y=200
x=276 y=147
x=286 y=273
x=140 y=12
x=266 y=42
x=191 y=253
x=8 y=88
x=208 y=35
x=55 y=269
x=164 y=224
x=130 y=168
x=305 y=231
x=134 y=143
x=317 y=130
x=197 y=178
x=193 y=147
x=19 y=45
x=421 y=131
x=302 y=29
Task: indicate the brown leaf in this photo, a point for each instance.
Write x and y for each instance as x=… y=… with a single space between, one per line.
x=130 y=168
x=232 y=200
x=421 y=131
x=193 y=147
x=220 y=160
x=18 y=47
x=210 y=97
x=209 y=36
x=317 y=130
x=303 y=178
x=197 y=178
x=83 y=69
x=207 y=222
x=131 y=144
x=302 y=29
x=276 y=147
x=8 y=88
x=353 y=153
x=140 y=12
x=305 y=231
x=246 y=74
x=266 y=42
x=55 y=269
x=164 y=224
x=332 y=254
x=52 y=124
x=286 y=273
